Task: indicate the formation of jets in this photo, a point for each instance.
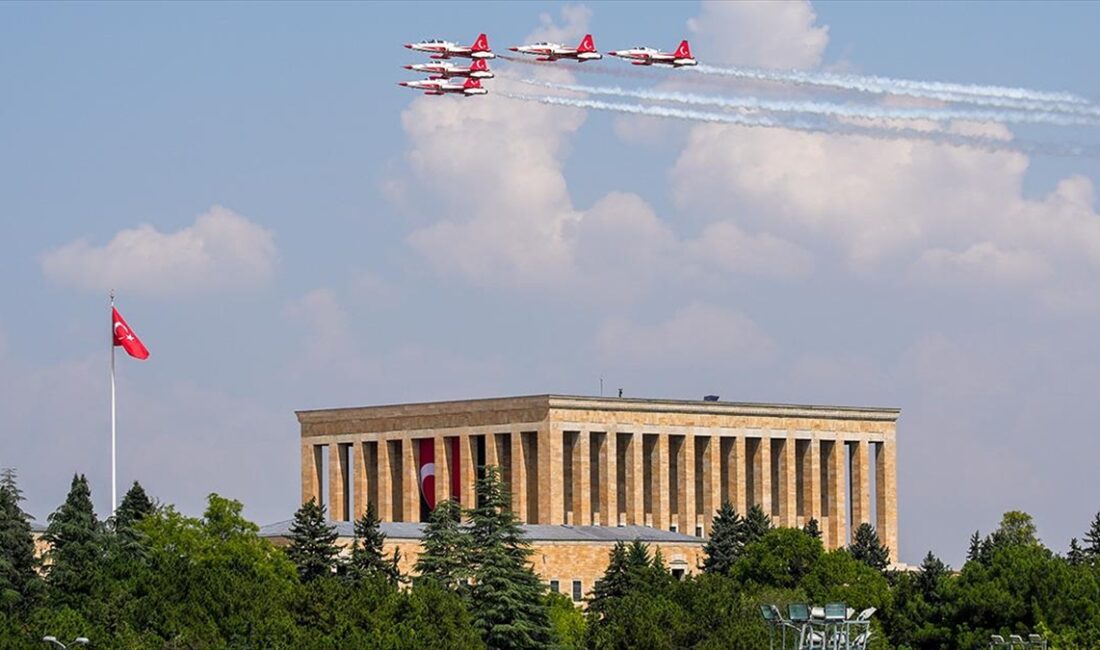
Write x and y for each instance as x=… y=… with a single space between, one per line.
x=441 y=70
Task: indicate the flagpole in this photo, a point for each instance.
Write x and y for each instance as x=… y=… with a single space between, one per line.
x=114 y=484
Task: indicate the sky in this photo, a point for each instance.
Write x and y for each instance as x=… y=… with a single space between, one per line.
x=286 y=228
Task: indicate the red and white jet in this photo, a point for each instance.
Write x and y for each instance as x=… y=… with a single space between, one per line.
x=649 y=56
x=478 y=69
x=586 y=51
x=446 y=49
x=441 y=87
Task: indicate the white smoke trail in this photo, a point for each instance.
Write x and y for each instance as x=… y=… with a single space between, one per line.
x=832 y=109
x=998 y=96
x=884 y=133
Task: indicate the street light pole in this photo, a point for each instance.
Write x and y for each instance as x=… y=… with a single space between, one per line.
x=80 y=640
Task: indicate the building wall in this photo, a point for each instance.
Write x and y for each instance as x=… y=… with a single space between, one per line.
x=594 y=461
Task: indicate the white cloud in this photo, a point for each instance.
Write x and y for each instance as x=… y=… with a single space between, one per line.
x=983 y=262
x=573 y=27
x=725 y=246
x=697 y=334
x=762 y=34
x=329 y=343
x=221 y=250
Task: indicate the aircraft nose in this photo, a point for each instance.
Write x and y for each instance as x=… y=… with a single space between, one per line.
x=409 y=45
x=513 y=49
x=407 y=67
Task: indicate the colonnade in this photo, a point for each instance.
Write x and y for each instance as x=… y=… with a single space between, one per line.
x=671 y=480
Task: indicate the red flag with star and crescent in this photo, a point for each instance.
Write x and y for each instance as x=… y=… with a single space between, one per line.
x=125 y=337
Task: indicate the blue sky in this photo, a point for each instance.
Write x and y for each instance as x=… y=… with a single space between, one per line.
x=376 y=246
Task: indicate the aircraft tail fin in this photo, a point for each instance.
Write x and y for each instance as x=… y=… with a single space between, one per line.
x=479 y=65
x=684 y=51
x=587 y=44
x=472 y=82
x=481 y=44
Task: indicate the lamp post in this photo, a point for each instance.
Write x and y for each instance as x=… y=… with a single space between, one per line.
x=80 y=640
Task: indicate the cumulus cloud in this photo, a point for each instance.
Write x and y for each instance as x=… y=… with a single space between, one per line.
x=761 y=34
x=723 y=245
x=573 y=26
x=697 y=334
x=221 y=250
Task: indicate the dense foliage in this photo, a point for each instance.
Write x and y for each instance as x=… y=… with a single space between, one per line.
x=150 y=577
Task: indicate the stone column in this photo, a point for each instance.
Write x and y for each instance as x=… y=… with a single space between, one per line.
x=635 y=480
x=811 y=486
x=762 y=475
x=582 y=479
x=519 y=478
x=838 y=527
x=609 y=479
x=385 y=483
x=737 y=475
x=861 y=483
x=359 y=478
x=410 y=480
x=337 y=482
x=685 y=475
x=886 y=494
x=660 y=484
x=467 y=467
x=311 y=472
x=491 y=456
x=712 y=480
x=442 y=470
x=788 y=490
x=551 y=489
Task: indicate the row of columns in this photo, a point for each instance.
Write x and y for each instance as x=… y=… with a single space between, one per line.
x=609 y=478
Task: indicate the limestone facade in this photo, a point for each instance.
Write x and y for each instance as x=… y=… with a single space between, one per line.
x=593 y=461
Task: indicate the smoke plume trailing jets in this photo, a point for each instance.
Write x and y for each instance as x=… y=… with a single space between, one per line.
x=440 y=87
x=649 y=56
x=586 y=51
x=446 y=49
x=478 y=69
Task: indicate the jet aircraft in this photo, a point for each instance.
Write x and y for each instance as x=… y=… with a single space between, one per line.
x=649 y=56
x=478 y=69
x=471 y=87
x=586 y=51
x=446 y=49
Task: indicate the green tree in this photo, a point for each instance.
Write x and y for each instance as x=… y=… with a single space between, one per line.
x=445 y=548
x=930 y=578
x=1092 y=540
x=781 y=558
x=20 y=585
x=367 y=554
x=867 y=548
x=615 y=582
x=757 y=523
x=566 y=622
x=506 y=597
x=974 y=553
x=727 y=540
x=1016 y=529
x=75 y=537
x=136 y=505
x=1076 y=555
x=312 y=542
x=812 y=528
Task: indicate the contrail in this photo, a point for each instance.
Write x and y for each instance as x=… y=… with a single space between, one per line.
x=883 y=133
x=832 y=109
x=999 y=96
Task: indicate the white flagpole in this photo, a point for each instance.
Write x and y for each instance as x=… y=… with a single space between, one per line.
x=114 y=484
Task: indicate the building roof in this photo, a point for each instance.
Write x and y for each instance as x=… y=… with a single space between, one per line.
x=566 y=402
x=534 y=532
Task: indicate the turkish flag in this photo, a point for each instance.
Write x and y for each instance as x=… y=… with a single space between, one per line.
x=125 y=337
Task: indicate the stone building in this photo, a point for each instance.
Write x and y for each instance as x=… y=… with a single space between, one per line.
x=628 y=466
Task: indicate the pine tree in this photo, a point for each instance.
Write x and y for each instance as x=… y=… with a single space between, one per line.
x=135 y=506
x=615 y=582
x=932 y=570
x=312 y=542
x=812 y=528
x=1092 y=540
x=757 y=522
x=446 y=548
x=867 y=548
x=637 y=555
x=974 y=553
x=367 y=557
x=75 y=536
x=727 y=540
x=1077 y=555
x=506 y=596
x=20 y=584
